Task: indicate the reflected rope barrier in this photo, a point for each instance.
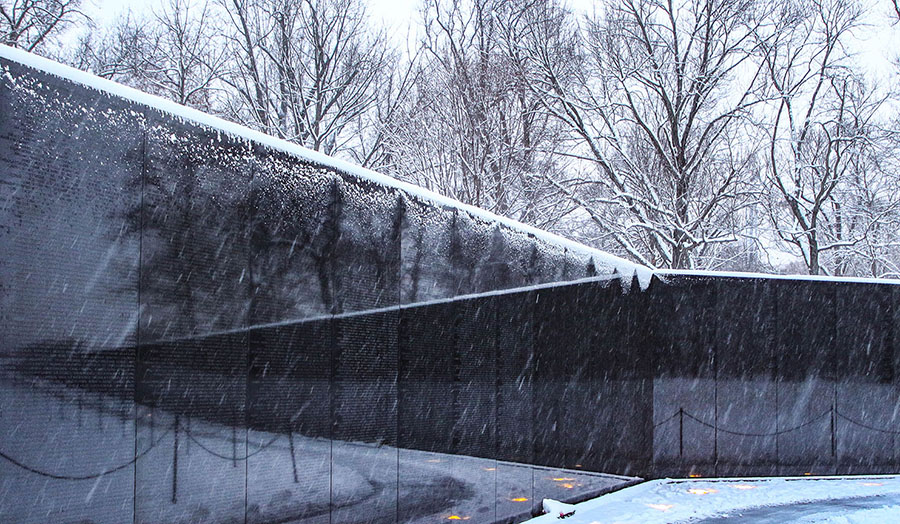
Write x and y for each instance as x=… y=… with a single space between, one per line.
x=826 y=413
x=865 y=426
x=225 y=457
x=84 y=477
x=120 y=467
x=830 y=412
x=658 y=424
x=680 y=413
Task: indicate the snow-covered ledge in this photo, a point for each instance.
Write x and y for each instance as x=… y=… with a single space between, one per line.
x=662 y=273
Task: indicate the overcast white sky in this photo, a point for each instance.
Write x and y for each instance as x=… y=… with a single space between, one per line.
x=877 y=45
x=395 y=13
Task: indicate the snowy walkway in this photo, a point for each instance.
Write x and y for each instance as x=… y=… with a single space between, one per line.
x=844 y=500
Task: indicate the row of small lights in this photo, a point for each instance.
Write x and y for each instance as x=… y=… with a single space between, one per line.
x=709 y=491
x=563 y=480
x=698 y=491
x=457 y=517
x=564 y=483
x=660 y=507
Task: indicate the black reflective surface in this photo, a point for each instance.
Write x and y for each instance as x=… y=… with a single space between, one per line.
x=69 y=258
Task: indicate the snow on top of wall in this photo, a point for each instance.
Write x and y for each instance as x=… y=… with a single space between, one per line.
x=622 y=266
x=662 y=273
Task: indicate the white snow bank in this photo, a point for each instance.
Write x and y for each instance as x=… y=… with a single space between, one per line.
x=560 y=509
x=624 y=267
x=670 y=501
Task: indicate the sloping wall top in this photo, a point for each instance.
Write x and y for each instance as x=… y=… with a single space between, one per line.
x=601 y=258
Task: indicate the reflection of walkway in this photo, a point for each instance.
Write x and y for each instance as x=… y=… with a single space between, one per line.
x=76 y=450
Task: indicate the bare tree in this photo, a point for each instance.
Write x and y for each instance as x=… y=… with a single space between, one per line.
x=177 y=53
x=867 y=207
x=369 y=144
x=472 y=130
x=303 y=70
x=29 y=24
x=821 y=134
x=187 y=55
x=110 y=51
x=654 y=94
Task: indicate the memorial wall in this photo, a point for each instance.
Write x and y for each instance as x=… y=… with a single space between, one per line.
x=202 y=324
x=775 y=376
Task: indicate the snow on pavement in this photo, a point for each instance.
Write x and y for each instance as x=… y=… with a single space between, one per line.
x=862 y=499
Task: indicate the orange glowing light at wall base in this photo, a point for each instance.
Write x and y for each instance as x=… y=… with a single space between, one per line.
x=661 y=507
x=700 y=491
x=519 y=499
x=563 y=479
x=567 y=486
x=695 y=475
x=457 y=517
x=489 y=469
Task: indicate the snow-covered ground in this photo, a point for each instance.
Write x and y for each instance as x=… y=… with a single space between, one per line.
x=836 y=500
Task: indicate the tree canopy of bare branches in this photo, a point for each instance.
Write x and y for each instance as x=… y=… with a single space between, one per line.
x=176 y=53
x=654 y=94
x=30 y=23
x=303 y=70
x=822 y=136
x=472 y=130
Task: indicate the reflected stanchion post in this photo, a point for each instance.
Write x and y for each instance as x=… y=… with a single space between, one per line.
x=293 y=456
x=175 y=463
x=833 y=439
x=234 y=461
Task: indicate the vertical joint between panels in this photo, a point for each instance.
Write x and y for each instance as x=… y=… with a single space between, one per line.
x=137 y=345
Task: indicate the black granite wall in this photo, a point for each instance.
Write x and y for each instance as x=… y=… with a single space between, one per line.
x=200 y=329
x=762 y=376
